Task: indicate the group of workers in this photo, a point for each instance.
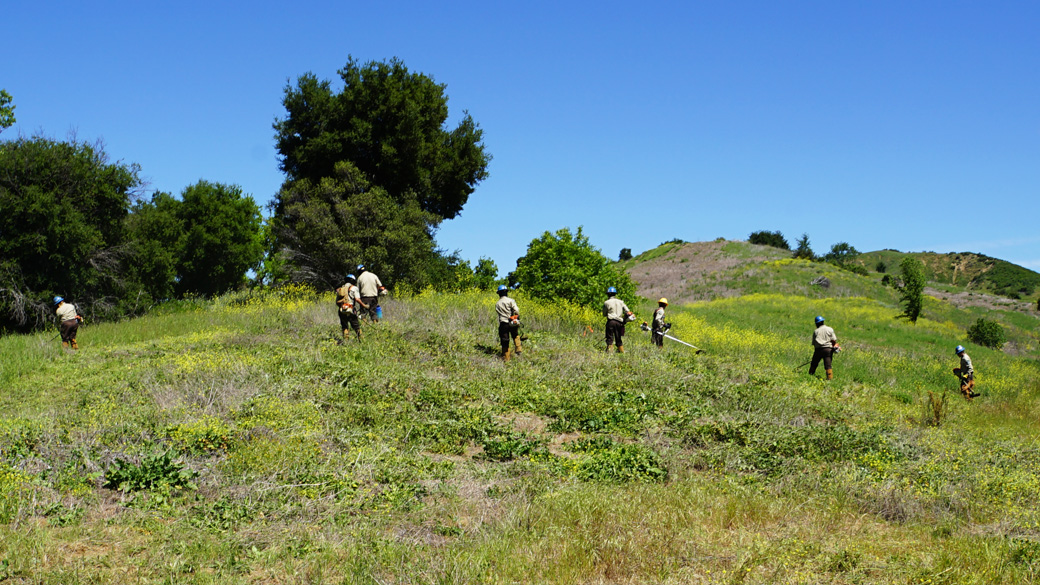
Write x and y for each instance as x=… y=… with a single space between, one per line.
x=824 y=340
x=359 y=297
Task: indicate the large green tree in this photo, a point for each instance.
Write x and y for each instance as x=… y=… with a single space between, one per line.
x=565 y=265
x=222 y=238
x=204 y=243
x=912 y=290
x=62 y=211
x=390 y=124
x=324 y=229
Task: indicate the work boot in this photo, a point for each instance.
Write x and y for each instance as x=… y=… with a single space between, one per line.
x=64 y=344
x=74 y=344
x=620 y=349
x=518 y=349
x=609 y=347
x=830 y=374
x=505 y=355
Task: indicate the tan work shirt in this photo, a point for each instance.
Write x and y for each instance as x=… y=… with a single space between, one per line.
x=966 y=368
x=824 y=337
x=369 y=284
x=506 y=308
x=67 y=311
x=615 y=308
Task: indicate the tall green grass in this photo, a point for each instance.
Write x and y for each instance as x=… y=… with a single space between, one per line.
x=418 y=456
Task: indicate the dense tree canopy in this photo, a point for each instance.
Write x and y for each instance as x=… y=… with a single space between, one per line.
x=775 y=239
x=202 y=244
x=62 y=212
x=390 y=124
x=326 y=229
x=563 y=265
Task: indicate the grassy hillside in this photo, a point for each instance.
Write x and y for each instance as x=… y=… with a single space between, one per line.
x=250 y=447
x=965 y=269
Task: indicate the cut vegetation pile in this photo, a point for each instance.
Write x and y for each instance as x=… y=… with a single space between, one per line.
x=236 y=441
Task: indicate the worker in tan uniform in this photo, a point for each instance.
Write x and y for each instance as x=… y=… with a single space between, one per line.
x=617 y=314
x=68 y=322
x=658 y=326
x=508 y=313
x=371 y=289
x=966 y=373
x=825 y=345
x=348 y=305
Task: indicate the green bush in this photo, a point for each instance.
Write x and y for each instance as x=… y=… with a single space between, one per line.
x=774 y=239
x=987 y=333
x=154 y=471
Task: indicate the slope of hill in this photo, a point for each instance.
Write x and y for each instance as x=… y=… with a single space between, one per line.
x=965 y=269
x=235 y=441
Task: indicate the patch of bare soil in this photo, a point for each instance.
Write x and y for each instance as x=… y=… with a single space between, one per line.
x=692 y=265
x=978 y=299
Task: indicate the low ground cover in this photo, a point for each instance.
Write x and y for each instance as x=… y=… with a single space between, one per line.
x=238 y=441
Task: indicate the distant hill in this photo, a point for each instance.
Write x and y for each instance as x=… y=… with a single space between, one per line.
x=966 y=269
x=695 y=271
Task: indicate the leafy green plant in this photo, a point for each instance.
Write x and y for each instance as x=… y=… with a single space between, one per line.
x=154 y=471
x=618 y=463
x=987 y=333
x=774 y=239
x=912 y=292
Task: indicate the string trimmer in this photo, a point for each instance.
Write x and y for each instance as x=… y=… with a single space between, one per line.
x=646 y=327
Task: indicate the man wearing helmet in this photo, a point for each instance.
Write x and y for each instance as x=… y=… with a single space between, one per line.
x=69 y=320
x=616 y=312
x=348 y=301
x=825 y=344
x=966 y=373
x=658 y=327
x=371 y=288
x=508 y=321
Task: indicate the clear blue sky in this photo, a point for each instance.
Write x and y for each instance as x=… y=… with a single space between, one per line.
x=907 y=125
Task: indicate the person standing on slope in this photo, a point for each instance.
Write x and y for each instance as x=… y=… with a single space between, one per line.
x=508 y=321
x=349 y=303
x=825 y=345
x=966 y=373
x=371 y=288
x=658 y=326
x=617 y=313
x=68 y=322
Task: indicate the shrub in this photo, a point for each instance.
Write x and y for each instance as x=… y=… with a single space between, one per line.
x=804 y=251
x=154 y=471
x=987 y=333
x=913 y=288
x=774 y=239
x=626 y=254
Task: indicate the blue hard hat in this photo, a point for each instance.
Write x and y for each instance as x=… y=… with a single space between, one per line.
x=959 y=350
x=58 y=300
x=360 y=267
x=351 y=277
x=502 y=287
x=611 y=290
x=819 y=319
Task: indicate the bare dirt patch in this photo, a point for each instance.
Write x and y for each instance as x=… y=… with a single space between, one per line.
x=696 y=264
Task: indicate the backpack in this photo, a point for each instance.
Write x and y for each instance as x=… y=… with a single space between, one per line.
x=345 y=306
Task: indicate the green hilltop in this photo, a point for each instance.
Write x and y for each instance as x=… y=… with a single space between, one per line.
x=237 y=441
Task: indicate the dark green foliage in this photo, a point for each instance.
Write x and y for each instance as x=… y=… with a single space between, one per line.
x=842 y=254
x=803 y=250
x=626 y=254
x=774 y=239
x=912 y=292
x=987 y=333
x=1009 y=279
x=154 y=471
x=62 y=208
x=221 y=240
x=323 y=230
x=389 y=123
x=880 y=267
x=566 y=266
x=6 y=110
x=485 y=274
x=201 y=244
